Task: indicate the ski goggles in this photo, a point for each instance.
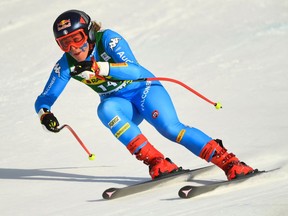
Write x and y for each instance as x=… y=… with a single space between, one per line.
x=76 y=39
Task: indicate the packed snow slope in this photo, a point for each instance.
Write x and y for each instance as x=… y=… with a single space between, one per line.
x=234 y=52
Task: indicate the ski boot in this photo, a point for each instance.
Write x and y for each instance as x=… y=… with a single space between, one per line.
x=215 y=152
x=158 y=165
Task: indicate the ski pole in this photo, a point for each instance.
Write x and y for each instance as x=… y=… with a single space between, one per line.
x=91 y=156
x=217 y=105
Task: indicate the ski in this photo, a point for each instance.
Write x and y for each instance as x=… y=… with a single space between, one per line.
x=181 y=175
x=190 y=191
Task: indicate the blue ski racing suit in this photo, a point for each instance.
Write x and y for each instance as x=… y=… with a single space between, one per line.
x=124 y=104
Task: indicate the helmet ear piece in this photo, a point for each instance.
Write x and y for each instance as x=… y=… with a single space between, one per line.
x=91 y=36
x=89 y=29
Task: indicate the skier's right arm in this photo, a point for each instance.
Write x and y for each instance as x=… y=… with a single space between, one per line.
x=56 y=83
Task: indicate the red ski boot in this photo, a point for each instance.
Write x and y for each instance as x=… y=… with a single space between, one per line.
x=215 y=152
x=158 y=165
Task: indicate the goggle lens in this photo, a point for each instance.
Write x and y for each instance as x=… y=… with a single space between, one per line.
x=76 y=39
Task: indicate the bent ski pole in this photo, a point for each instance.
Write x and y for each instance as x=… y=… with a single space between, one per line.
x=217 y=105
x=91 y=156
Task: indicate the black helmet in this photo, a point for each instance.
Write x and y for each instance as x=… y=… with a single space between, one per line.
x=72 y=20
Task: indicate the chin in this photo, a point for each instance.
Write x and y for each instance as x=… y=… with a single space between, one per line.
x=80 y=57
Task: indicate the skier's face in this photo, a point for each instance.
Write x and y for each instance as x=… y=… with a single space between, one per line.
x=79 y=53
x=75 y=44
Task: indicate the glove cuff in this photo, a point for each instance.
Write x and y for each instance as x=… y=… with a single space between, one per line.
x=42 y=112
x=104 y=68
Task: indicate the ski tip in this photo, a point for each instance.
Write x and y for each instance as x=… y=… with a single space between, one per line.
x=185 y=191
x=109 y=193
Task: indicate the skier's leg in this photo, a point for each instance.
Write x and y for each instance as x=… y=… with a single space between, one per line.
x=121 y=117
x=157 y=108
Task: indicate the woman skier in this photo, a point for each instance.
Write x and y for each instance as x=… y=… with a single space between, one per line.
x=102 y=60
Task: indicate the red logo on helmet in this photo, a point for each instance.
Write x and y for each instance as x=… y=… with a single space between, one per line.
x=63 y=24
x=82 y=20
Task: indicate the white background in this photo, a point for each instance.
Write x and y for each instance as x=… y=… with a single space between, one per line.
x=230 y=51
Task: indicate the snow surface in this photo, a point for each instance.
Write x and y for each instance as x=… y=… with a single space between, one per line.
x=231 y=51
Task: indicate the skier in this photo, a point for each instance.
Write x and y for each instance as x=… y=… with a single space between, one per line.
x=98 y=58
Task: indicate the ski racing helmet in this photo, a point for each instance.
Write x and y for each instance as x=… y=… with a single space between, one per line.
x=75 y=24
